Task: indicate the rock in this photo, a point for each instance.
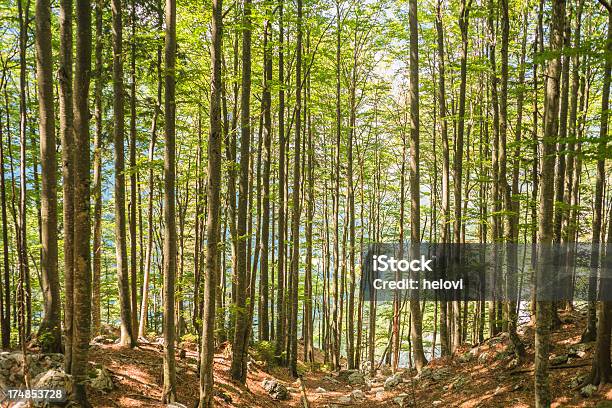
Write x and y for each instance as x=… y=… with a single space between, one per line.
x=275 y=389
x=320 y=390
x=483 y=357
x=588 y=390
x=392 y=382
x=356 y=378
x=558 y=360
x=331 y=379
x=358 y=395
x=465 y=357
x=403 y=400
x=293 y=390
x=436 y=403
x=377 y=389
x=343 y=375
x=345 y=399
x=102 y=380
x=380 y=394
x=102 y=339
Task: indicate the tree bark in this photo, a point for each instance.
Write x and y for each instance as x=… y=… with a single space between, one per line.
x=49 y=331
x=545 y=225
x=239 y=350
x=82 y=224
x=127 y=335
x=214 y=206
x=169 y=265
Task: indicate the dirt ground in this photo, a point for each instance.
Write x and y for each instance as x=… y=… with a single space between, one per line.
x=492 y=380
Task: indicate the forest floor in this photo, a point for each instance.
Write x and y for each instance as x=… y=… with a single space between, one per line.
x=481 y=376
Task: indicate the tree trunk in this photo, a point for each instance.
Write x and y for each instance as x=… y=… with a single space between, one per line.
x=169 y=390
x=280 y=297
x=127 y=337
x=601 y=371
x=416 y=331
x=295 y=215
x=264 y=325
x=50 y=328
x=133 y=186
x=97 y=182
x=82 y=223
x=545 y=225
x=239 y=350
x=214 y=206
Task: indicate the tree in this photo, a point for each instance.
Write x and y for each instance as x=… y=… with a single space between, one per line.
x=67 y=142
x=214 y=206
x=601 y=371
x=238 y=368
x=545 y=230
x=416 y=330
x=97 y=181
x=82 y=225
x=295 y=214
x=127 y=335
x=169 y=391
x=50 y=328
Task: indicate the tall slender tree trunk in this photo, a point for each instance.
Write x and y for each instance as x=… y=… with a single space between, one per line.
x=144 y=305
x=601 y=371
x=295 y=215
x=24 y=268
x=416 y=330
x=6 y=275
x=50 y=327
x=82 y=223
x=545 y=230
x=133 y=176
x=239 y=350
x=127 y=335
x=511 y=207
x=214 y=206
x=67 y=142
x=169 y=390
x=445 y=236
x=264 y=325
x=280 y=297
x=97 y=182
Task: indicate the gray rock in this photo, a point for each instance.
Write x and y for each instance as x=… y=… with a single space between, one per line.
x=356 y=378
x=392 y=382
x=102 y=380
x=320 y=390
x=465 y=357
x=403 y=400
x=343 y=375
x=275 y=389
x=483 y=357
x=358 y=395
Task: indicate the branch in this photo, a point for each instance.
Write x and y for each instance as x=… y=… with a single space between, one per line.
x=606 y=5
